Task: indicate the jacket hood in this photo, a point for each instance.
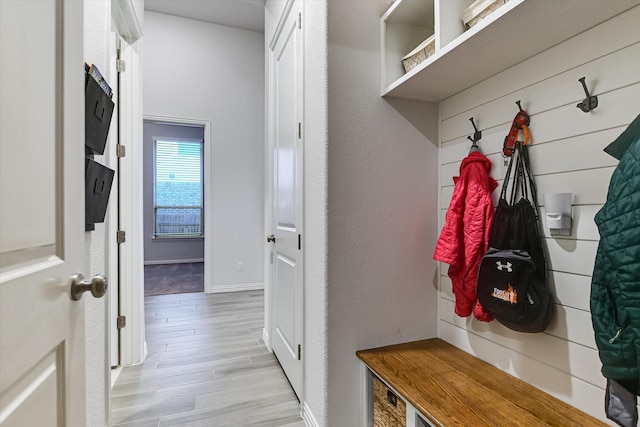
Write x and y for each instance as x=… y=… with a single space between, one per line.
x=476 y=157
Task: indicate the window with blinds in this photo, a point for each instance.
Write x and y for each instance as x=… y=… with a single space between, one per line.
x=178 y=188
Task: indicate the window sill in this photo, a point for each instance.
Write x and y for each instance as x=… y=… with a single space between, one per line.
x=174 y=238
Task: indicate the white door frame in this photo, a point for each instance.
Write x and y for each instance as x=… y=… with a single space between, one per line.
x=134 y=298
x=133 y=349
x=208 y=185
x=111 y=223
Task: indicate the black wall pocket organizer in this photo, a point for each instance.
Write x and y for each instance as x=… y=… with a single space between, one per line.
x=97 y=186
x=98 y=110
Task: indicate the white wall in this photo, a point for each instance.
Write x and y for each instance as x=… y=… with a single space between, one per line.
x=197 y=70
x=315 y=213
x=370 y=184
x=382 y=212
x=566 y=156
x=97 y=24
x=371 y=192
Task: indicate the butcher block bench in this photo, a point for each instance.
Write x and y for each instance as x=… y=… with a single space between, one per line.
x=432 y=383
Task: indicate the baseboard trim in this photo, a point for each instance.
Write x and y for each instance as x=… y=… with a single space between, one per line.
x=240 y=287
x=266 y=339
x=174 y=261
x=307 y=416
x=115 y=373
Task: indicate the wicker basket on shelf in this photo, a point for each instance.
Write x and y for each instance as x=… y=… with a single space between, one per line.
x=479 y=10
x=419 y=54
x=388 y=409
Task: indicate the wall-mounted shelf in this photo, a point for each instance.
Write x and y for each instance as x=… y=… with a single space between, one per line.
x=511 y=34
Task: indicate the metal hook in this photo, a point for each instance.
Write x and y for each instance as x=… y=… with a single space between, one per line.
x=590 y=102
x=519 y=106
x=476 y=135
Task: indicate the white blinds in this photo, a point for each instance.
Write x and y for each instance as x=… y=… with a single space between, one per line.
x=178 y=189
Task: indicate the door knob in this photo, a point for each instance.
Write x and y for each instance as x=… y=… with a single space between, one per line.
x=271 y=238
x=98 y=286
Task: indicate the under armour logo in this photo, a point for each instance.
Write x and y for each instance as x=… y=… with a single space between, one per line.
x=502 y=266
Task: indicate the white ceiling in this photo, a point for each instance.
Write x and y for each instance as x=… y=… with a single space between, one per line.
x=247 y=14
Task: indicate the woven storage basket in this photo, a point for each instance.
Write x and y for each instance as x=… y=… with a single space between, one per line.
x=479 y=10
x=419 y=54
x=388 y=409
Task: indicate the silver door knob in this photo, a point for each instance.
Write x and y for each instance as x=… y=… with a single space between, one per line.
x=271 y=238
x=98 y=286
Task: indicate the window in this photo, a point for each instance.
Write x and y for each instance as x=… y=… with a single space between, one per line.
x=178 y=189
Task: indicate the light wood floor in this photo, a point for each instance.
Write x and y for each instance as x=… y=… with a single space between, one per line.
x=206 y=366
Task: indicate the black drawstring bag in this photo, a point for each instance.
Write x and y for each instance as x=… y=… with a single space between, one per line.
x=512 y=278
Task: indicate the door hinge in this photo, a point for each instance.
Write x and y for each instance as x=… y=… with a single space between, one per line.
x=299 y=130
x=299 y=352
x=299 y=20
x=120 y=65
x=121 y=322
x=299 y=241
x=121 y=151
x=120 y=236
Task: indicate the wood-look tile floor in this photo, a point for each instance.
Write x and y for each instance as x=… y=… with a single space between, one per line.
x=206 y=366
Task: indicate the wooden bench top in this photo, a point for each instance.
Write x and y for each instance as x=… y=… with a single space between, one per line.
x=453 y=388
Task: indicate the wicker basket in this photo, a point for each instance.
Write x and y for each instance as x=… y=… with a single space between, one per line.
x=419 y=54
x=479 y=10
x=388 y=409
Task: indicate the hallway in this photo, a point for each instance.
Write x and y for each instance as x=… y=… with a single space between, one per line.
x=207 y=366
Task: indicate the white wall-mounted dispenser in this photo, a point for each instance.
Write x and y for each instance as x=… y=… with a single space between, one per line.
x=558 y=212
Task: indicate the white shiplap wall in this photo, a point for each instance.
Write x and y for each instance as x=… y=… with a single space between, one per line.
x=566 y=156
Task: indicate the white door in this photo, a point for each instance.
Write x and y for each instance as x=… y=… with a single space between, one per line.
x=42 y=358
x=113 y=210
x=286 y=85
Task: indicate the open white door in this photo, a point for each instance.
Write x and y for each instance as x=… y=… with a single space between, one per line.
x=127 y=294
x=42 y=357
x=286 y=134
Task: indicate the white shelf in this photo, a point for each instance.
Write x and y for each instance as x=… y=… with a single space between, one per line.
x=511 y=34
x=406 y=24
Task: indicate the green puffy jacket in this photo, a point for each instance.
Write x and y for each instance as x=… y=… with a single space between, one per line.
x=615 y=287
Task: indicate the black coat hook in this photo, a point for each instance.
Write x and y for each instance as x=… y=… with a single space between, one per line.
x=590 y=102
x=477 y=135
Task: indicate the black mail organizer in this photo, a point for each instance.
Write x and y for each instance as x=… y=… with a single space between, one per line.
x=98 y=109
x=98 y=180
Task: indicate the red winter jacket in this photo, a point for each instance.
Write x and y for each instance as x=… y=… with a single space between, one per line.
x=465 y=235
